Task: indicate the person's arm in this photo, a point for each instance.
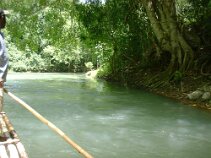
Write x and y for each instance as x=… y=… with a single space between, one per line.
x=3 y=61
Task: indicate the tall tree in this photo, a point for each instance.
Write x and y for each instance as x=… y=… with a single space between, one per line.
x=170 y=40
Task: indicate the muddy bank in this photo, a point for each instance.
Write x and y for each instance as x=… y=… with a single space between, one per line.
x=183 y=91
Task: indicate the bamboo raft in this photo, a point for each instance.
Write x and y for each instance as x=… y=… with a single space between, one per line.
x=10 y=144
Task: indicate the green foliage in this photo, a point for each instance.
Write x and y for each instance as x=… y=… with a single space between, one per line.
x=192 y=11
x=120 y=28
x=105 y=71
x=47 y=34
x=25 y=61
x=89 y=65
x=115 y=36
x=177 y=77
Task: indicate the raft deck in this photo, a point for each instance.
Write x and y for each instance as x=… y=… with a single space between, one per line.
x=10 y=144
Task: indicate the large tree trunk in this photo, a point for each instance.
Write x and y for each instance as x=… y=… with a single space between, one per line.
x=163 y=19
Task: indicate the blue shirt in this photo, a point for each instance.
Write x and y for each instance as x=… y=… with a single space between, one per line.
x=4 y=62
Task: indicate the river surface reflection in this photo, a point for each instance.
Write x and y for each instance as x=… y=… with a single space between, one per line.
x=107 y=120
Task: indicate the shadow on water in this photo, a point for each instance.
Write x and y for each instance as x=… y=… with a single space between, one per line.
x=106 y=119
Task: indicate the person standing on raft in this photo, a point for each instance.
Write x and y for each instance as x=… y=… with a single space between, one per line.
x=4 y=61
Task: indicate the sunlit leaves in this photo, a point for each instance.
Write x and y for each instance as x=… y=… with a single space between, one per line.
x=48 y=31
x=62 y=34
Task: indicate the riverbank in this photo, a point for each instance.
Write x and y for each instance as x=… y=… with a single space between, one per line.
x=182 y=96
x=179 y=92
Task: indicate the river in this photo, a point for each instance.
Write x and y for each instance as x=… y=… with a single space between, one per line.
x=107 y=120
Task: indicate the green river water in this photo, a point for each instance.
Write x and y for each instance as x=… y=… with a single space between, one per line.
x=107 y=120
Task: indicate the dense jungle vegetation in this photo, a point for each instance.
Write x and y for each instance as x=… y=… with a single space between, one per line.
x=163 y=40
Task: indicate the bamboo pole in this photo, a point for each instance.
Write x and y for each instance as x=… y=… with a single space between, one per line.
x=10 y=141
x=5 y=133
x=9 y=126
x=1 y=99
x=21 y=150
x=16 y=141
x=3 y=152
x=49 y=124
x=12 y=151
